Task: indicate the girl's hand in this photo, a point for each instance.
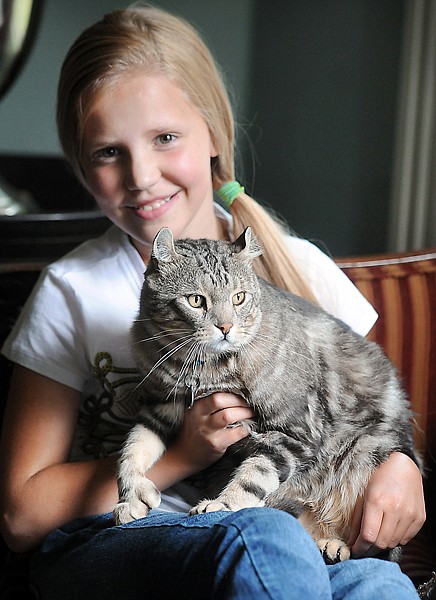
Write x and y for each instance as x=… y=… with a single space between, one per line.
x=207 y=433
x=391 y=511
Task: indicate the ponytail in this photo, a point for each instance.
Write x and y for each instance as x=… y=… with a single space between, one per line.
x=275 y=264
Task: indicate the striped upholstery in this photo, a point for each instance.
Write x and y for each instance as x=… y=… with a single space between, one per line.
x=402 y=288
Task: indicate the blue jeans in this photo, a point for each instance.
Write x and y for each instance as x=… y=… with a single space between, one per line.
x=256 y=553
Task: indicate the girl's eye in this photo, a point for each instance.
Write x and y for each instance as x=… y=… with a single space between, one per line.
x=238 y=298
x=165 y=138
x=105 y=153
x=197 y=301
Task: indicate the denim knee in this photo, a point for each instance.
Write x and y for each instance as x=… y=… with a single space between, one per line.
x=370 y=578
x=270 y=555
x=269 y=520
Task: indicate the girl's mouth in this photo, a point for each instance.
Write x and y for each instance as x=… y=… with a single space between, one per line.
x=152 y=205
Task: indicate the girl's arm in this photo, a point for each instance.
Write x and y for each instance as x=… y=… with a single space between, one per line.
x=40 y=490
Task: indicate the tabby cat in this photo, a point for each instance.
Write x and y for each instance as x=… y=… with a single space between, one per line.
x=329 y=406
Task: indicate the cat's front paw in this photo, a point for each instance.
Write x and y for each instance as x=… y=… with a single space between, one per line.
x=125 y=512
x=333 y=550
x=208 y=506
x=136 y=503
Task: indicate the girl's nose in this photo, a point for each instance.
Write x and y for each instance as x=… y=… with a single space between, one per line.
x=142 y=172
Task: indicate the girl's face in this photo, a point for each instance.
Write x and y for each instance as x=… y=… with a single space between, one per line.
x=146 y=160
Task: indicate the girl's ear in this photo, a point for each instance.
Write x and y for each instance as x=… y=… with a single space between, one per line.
x=213 y=149
x=83 y=179
x=247 y=245
x=213 y=146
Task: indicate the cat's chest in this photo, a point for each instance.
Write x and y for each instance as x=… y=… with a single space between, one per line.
x=208 y=376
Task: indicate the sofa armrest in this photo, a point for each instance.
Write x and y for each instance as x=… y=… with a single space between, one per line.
x=402 y=288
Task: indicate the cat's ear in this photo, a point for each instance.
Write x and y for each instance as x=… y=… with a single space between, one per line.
x=247 y=244
x=163 y=247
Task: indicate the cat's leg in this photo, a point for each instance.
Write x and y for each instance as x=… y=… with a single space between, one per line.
x=137 y=494
x=253 y=481
x=333 y=500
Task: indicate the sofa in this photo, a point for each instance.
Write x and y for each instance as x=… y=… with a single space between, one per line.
x=402 y=288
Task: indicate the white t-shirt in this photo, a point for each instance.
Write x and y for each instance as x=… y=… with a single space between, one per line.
x=75 y=328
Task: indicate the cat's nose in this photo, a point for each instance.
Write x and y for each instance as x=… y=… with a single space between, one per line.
x=225 y=328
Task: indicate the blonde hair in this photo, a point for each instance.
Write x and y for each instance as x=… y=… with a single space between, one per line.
x=143 y=37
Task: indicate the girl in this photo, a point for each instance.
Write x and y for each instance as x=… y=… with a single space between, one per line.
x=145 y=121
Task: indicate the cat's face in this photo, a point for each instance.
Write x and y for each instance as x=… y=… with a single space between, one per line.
x=222 y=319
x=205 y=289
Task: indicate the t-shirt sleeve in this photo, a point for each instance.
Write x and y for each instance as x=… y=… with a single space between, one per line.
x=333 y=290
x=47 y=336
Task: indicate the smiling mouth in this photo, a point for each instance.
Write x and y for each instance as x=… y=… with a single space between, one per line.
x=152 y=206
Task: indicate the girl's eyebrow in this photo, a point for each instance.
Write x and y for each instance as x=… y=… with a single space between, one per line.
x=157 y=129
x=166 y=127
x=89 y=147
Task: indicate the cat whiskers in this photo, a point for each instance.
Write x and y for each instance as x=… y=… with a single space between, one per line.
x=142 y=320
x=268 y=358
x=158 y=363
x=250 y=350
x=267 y=338
x=192 y=359
x=162 y=334
x=185 y=337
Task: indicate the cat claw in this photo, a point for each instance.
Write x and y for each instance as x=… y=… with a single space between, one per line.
x=208 y=506
x=333 y=550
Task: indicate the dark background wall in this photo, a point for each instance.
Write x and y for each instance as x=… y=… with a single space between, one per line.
x=315 y=86
x=323 y=95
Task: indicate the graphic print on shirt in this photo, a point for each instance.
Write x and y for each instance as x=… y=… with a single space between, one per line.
x=105 y=418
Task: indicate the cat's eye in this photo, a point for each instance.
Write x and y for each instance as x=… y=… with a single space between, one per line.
x=197 y=301
x=238 y=298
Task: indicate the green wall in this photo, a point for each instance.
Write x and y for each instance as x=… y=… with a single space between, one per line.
x=324 y=93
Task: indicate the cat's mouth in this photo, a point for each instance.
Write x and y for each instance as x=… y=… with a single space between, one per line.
x=222 y=346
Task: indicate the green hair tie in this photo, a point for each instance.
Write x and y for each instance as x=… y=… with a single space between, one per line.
x=229 y=192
